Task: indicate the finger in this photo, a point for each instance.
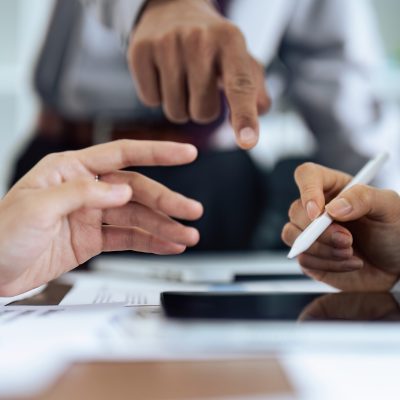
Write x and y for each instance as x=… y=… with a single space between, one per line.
x=297 y=214
x=311 y=262
x=143 y=68
x=335 y=235
x=172 y=79
x=318 y=249
x=263 y=99
x=204 y=97
x=137 y=215
x=63 y=199
x=314 y=182
x=366 y=279
x=125 y=153
x=362 y=200
x=156 y=196
x=135 y=239
x=240 y=88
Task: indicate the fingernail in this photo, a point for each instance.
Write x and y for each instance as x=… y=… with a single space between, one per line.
x=248 y=136
x=340 y=239
x=312 y=210
x=339 y=207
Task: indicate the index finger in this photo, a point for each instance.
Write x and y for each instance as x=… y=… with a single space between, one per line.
x=156 y=196
x=240 y=90
x=317 y=184
x=104 y=158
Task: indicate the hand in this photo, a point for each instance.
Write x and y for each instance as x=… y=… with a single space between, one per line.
x=347 y=306
x=58 y=216
x=181 y=51
x=359 y=252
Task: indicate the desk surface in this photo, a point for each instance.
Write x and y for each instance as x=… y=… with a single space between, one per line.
x=171 y=380
x=164 y=379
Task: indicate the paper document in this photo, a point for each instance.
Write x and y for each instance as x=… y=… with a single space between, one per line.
x=37 y=343
x=107 y=288
x=104 y=288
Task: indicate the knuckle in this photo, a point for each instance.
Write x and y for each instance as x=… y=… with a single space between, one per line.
x=195 y=37
x=285 y=235
x=391 y=203
x=159 y=228
x=199 y=44
x=84 y=187
x=309 y=191
x=304 y=170
x=392 y=195
x=363 y=195
x=123 y=143
x=228 y=31
x=241 y=83
x=58 y=158
x=294 y=209
x=124 y=149
x=140 y=48
x=159 y=201
x=166 y=42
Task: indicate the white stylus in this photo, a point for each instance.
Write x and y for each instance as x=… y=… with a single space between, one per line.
x=318 y=226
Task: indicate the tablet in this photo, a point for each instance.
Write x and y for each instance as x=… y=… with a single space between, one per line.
x=281 y=306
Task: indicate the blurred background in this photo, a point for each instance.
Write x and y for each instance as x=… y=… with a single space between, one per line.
x=22 y=28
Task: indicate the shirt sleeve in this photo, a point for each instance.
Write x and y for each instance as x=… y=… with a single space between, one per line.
x=118 y=15
x=333 y=52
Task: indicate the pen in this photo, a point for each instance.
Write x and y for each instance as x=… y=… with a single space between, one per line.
x=320 y=224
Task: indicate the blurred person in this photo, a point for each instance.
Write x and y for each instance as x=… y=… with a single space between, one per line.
x=193 y=60
x=360 y=251
x=74 y=205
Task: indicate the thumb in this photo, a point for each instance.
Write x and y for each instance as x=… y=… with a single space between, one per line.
x=362 y=200
x=71 y=196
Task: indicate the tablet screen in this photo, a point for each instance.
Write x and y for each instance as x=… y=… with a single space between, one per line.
x=282 y=306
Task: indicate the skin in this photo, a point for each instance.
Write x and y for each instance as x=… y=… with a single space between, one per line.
x=352 y=307
x=358 y=252
x=193 y=53
x=58 y=216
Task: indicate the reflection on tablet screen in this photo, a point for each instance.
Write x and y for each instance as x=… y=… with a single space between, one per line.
x=282 y=306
